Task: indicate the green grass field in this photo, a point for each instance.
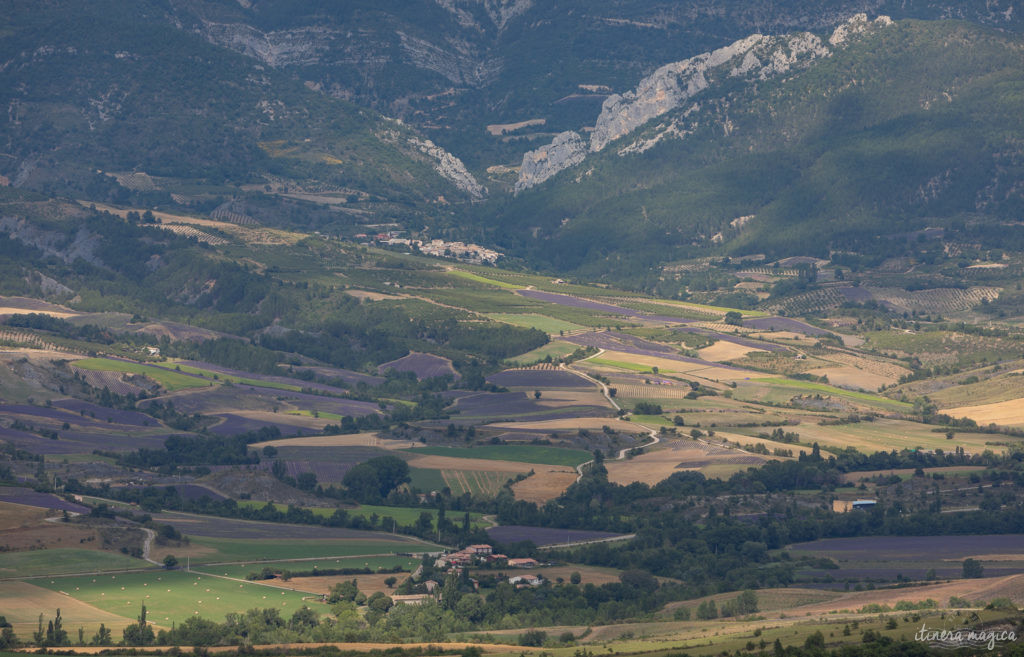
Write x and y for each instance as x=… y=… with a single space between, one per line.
x=240 y=571
x=886 y=434
x=516 y=453
x=555 y=349
x=402 y=515
x=426 y=479
x=173 y=596
x=236 y=549
x=824 y=388
x=64 y=560
x=622 y=365
x=256 y=383
x=169 y=379
x=539 y=322
x=480 y=279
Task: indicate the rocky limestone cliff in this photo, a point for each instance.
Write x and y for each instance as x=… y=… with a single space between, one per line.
x=450 y=167
x=499 y=11
x=456 y=60
x=566 y=150
x=756 y=57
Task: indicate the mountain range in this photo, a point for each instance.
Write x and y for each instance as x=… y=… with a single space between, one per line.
x=593 y=137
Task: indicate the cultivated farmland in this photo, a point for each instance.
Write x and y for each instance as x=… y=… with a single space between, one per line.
x=173 y=596
x=514 y=453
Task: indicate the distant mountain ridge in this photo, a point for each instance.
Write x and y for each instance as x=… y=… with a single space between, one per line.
x=903 y=126
x=451 y=67
x=755 y=57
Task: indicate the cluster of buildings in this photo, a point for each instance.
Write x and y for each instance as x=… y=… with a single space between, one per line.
x=483 y=554
x=473 y=253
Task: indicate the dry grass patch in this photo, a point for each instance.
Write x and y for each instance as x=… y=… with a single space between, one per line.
x=569 y=397
x=22 y=603
x=722 y=351
x=656 y=464
x=321 y=585
x=13 y=516
x=287 y=648
x=1006 y=412
x=373 y=296
x=845 y=376
x=856 y=477
x=1010 y=586
x=432 y=462
x=41 y=535
x=544 y=485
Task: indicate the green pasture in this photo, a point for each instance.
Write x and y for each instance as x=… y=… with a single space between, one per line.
x=401 y=515
x=173 y=596
x=323 y=415
x=714 y=310
x=804 y=387
x=64 y=560
x=242 y=570
x=990 y=388
x=78 y=458
x=426 y=479
x=622 y=365
x=516 y=453
x=886 y=435
x=257 y=383
x=555 y=349
x=459 y=273
x=268 y=549
x=169 y=379
x=539 y=322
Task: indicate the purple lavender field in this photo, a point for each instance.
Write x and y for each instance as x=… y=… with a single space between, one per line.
x=424 y=366
x=575 y=302
x=912 y=547
x=538 y=379
x=784 y=324
x=235 y=424
x=28 y=497
x=84 y=408
x=544 y=535
x=209 y=526
x=225 y=399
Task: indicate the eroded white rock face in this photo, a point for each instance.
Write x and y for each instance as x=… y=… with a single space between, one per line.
x=755 y=57
x=451 y=167
x=858 y=24
x=566 y=150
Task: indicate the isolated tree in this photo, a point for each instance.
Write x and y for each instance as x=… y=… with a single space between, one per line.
x=734 y=318
x=972 y=568
x=379 y=602
x=140 y=633
x=170 y=562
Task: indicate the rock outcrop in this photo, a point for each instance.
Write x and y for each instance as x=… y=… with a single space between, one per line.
x=450 y=167
x=756 y=57
x=566 y=150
